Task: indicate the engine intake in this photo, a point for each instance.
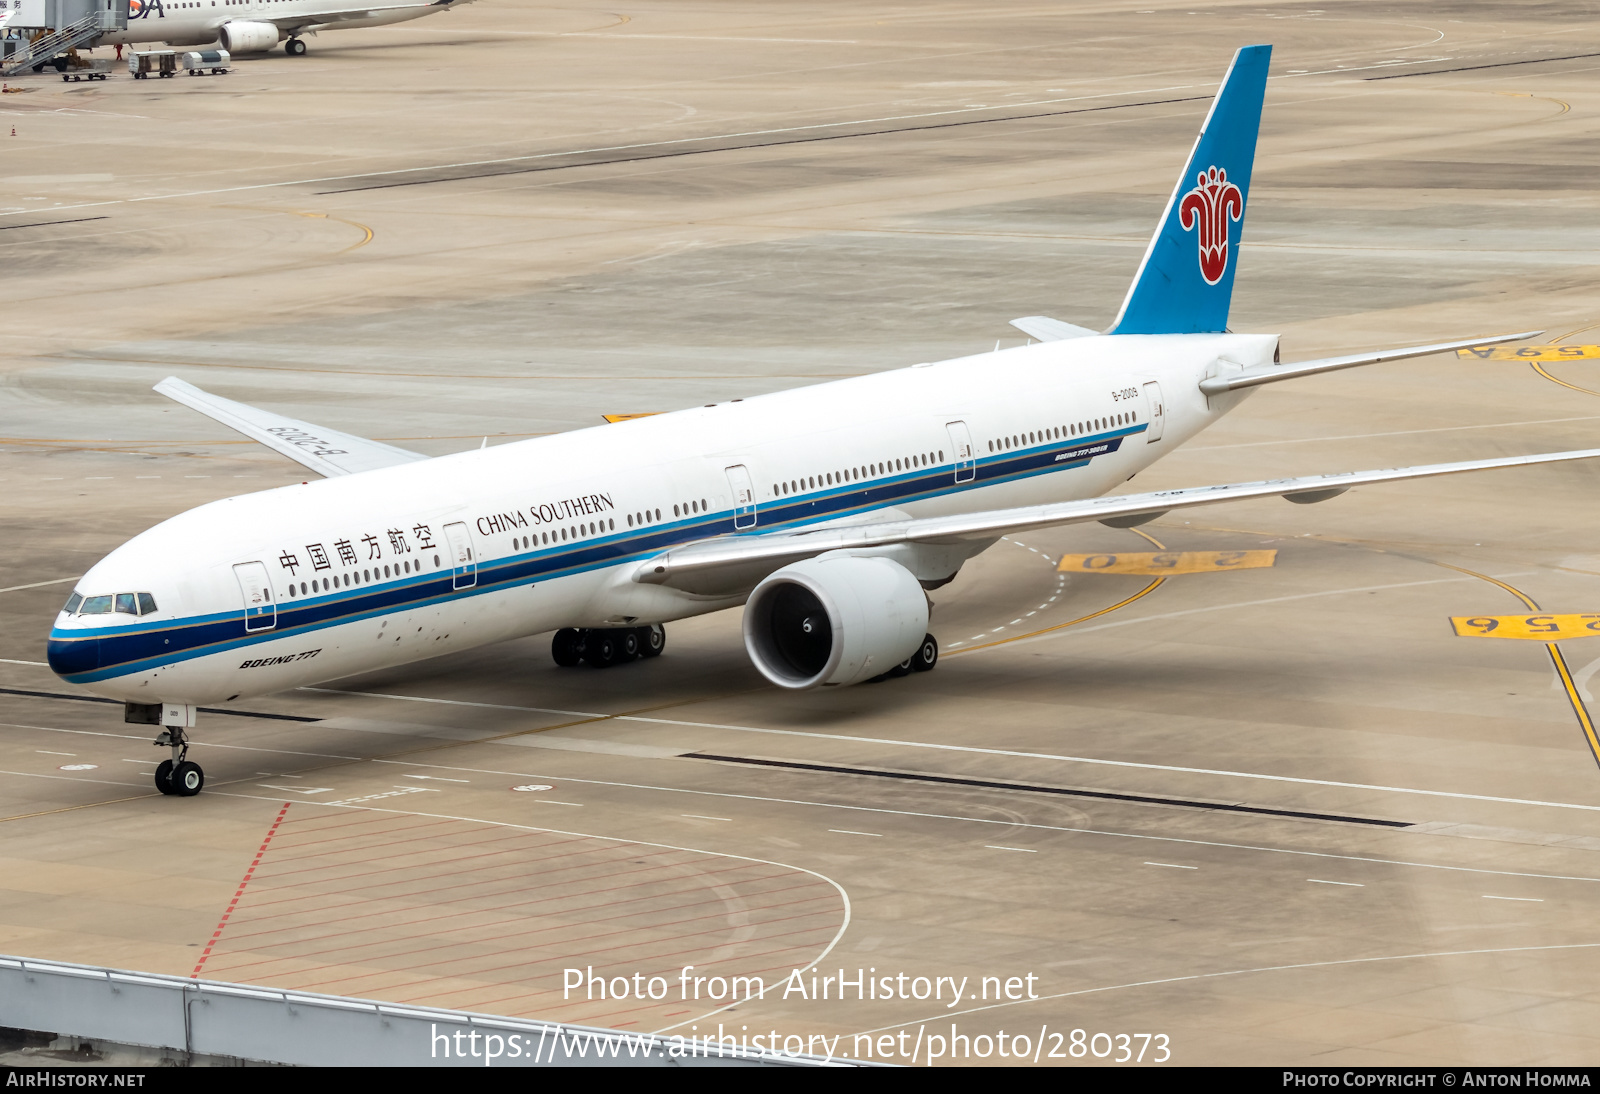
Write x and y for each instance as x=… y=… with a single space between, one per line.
x=834 y=620
x=243 y=36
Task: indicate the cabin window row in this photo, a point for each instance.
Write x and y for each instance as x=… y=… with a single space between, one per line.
x=563 y=535
x=856 y=474
x=1060 y=432
x=649 y=516
x=357 y=577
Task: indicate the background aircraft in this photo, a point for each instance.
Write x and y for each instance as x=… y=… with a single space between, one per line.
x=255 y=26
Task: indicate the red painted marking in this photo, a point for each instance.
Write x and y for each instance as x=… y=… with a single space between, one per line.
x=223 y=922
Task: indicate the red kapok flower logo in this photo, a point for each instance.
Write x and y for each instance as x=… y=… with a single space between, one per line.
x=1209 y=207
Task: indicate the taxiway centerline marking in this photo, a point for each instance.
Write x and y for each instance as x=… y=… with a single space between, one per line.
x=1526 y=899
x=1585 y=722
x=1324 y=881
x=1172 y=866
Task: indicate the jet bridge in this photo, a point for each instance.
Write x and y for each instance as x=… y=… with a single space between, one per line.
x=58 y=27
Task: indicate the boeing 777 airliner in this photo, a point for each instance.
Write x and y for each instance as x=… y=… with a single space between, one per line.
x=826 y=511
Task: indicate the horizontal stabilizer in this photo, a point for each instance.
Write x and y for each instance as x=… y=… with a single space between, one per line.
x=326 y=451
x=690 y=565
x=1046 y=329
x=1271 y=374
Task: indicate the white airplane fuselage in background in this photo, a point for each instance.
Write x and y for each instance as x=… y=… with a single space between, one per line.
x=1067 y=419
x=253 y=26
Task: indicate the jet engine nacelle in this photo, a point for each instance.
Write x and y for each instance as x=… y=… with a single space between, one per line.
x=244 y=36
x=834 y=620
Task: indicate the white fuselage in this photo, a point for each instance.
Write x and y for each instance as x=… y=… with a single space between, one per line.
x=197 y=22
x=395 y=565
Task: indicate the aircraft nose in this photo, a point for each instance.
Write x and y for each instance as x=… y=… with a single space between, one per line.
x=70 y=656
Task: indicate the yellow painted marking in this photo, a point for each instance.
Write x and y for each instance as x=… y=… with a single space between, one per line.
x=1531 y=353
x=1537 y=367
x=1146 y=591
x=1537 y=628
x=1166 y=563
x=615 y=418
x=1585 y=722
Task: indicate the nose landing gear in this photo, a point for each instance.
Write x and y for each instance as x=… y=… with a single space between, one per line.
x=178 y=776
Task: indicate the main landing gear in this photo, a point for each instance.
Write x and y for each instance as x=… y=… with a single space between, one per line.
x=603 y=647
x=294 y=47
x=178 y=776
x=923 y=660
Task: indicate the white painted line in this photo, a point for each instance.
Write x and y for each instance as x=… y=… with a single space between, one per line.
x=552 y=801
x=298 y=789
x=455 y=702
x=1292 y=779
x=1296 y=780
x=1351 y=884
x=158 y=761
x=697 y=816
x=1024 y=850
x=36 y=585
x=1527 y=899
x=47 y=752
x=436 y=778
x=849 y=832
x=1172 y=866
x=9 y=661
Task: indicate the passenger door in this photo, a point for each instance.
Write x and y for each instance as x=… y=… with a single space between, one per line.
x=744 y=497
x=1155 y=411
x=463 y=558
x=961 y=443
x=260 y=609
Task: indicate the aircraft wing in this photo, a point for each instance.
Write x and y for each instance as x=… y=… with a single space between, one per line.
x=326 y=451
x=1271 y=374
x=717 y=565
x=323 y=19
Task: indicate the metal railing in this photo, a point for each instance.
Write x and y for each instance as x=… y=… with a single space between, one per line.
x=46 y=49
x=247 y=1022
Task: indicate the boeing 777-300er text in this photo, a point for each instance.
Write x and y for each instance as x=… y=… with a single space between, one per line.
x=255 y=26
x=826 y=511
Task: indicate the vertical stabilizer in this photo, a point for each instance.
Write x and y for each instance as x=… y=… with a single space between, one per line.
x=1185 y=283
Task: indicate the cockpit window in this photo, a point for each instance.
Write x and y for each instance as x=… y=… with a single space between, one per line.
x=120 y=603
